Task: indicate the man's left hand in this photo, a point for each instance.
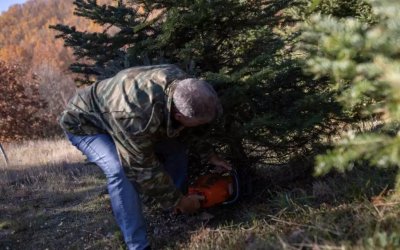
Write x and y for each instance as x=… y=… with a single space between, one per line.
x=220 y=164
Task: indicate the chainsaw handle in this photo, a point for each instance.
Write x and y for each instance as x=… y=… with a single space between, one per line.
x=236 y=187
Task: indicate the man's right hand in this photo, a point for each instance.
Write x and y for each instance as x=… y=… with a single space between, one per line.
x=189 y=204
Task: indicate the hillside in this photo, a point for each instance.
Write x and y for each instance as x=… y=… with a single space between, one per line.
x=27 y=41
x=25 y=37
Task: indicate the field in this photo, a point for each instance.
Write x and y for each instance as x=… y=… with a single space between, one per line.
x=52 y=199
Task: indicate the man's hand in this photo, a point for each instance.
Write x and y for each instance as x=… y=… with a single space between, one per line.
x=220 y=164
x=189 y=204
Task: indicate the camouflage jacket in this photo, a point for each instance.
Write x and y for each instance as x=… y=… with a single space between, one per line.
x=134 y=108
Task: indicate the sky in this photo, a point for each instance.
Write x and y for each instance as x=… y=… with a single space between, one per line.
x=5 y=4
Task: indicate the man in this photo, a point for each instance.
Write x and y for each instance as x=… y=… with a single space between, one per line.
x=127 y=124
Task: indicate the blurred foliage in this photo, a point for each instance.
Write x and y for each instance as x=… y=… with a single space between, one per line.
x=363 y=64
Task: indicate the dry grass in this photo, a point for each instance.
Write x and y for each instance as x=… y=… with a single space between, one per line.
x=31 y=161
x=41 y=153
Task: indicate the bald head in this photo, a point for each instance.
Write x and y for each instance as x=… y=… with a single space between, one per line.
x=196 y=98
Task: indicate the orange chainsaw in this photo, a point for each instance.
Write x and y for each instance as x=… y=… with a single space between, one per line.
x=216 y=188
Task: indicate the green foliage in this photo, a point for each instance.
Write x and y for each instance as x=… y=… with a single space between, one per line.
x=344 y=8
x=101 y=50
x=363 y=65
x=200 y=35
x=359 y=9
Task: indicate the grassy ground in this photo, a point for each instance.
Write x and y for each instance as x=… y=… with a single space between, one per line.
x=50 y=199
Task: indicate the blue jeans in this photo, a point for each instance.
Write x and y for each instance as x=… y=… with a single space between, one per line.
x=100 y=149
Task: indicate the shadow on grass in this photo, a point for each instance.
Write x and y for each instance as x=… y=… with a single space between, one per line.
x=56 y=207
x=66 y=206
x=29 y=175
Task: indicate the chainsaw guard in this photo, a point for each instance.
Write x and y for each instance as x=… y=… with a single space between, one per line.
x=236 y=188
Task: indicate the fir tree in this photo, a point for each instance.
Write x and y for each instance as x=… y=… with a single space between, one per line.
x=272 y=110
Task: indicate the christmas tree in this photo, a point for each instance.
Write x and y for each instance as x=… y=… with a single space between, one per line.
x=273 y=111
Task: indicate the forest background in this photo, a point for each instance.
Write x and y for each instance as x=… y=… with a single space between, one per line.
x=307 y=87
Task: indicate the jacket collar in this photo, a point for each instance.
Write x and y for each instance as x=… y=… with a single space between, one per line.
x=171 y=131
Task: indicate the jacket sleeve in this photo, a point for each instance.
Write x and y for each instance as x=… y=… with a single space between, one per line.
x=136 y=150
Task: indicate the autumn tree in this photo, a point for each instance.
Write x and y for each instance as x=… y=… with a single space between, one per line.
x=20 y=105
x=26 y=40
